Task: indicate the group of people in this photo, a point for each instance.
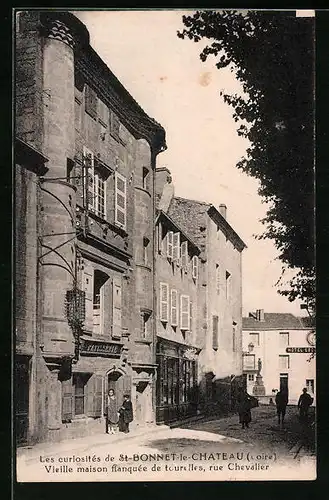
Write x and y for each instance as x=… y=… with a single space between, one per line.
x=118 y=417
x=247 y=402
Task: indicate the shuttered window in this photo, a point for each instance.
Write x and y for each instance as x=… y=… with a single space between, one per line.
x=176 y=247
x=170 y=237
x=164 y=306
x=185 y=312
x=91 y=101
x=117 y=307
x=120 y=200
x=114 y=125
x=184 y=254
x=174 y=307
x=67 y=407
x=195 y=267
x=94 y=395
x=217 y=279
x=215 y=323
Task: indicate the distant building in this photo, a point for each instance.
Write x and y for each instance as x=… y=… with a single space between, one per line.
x=85 y=159
x=273 y=338
x=218 y=315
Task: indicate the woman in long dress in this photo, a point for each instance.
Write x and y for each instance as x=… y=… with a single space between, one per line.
x=112 y=415
x=244 y=407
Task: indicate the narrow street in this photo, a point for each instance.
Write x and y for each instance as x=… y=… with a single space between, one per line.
x=216 y=449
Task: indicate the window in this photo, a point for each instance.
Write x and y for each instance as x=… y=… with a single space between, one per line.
x=251 y=377
x=284 y=362
x=215 y=323
x=254 y=338
x=100 y=279
x=217 y=279
x=146 y=242
x=145 y=178
x=174 y=307
x=120 y=200
x=184 y=254
x=284 y=339
x=176 y=247
x=103 y=114
x=115 y=125
x=160 y=237
x=91 y=102
x=249 y=361
x=96 y=182
x=164 y=296
x=116 y=307
x=228 y=285
x=77 y=114
x=145 y=324
x=79 y=391
x=310 y=385
x=234 y=338
x=185 y=312
x=170 y=236
x=195 y=267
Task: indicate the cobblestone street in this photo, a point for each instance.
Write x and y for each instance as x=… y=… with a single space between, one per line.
x=216 y=449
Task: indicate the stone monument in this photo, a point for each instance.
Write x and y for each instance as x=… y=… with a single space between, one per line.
x=259 y=388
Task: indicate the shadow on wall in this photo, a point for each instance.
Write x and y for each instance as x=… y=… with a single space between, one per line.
x=219 y=395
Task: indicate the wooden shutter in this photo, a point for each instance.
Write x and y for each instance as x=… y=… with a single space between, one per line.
x=89 y=163
x=215 y=320
x=195 y=262
x=164 y=292
x=174 y=307
x=120 y=200
x=94 y=388
x=170 y=236
x=176 y=246
x=185 y=312
x=116 y=307
x=67 y=403
x=91 y=101
x=88 y=288
x=184 y=254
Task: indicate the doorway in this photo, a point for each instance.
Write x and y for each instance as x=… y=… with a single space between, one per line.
x=284 y=386
x=143 y=403
x=22 y=399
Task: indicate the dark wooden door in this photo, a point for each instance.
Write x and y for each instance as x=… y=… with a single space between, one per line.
x=284 y=386
x=22 y=399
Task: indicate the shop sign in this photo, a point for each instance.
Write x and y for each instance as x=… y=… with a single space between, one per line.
x=89 y=347
x=300 y=350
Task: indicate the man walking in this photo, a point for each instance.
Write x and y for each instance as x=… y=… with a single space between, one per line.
x=281 y=401
x=304 y=403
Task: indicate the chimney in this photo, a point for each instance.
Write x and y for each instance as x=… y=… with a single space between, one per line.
x=260 y=314
x=164 y=187
x=222 y=209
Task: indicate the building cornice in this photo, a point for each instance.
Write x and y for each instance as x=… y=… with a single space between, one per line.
x=226 y=228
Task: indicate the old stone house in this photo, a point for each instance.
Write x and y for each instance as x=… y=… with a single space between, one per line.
x=85 y=225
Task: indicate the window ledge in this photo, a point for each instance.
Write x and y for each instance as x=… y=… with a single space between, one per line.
x=140 y=188
x=144 y=266
x=143 y=341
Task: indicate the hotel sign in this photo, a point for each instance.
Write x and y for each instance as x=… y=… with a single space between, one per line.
x=304 y=350
x=91 y=347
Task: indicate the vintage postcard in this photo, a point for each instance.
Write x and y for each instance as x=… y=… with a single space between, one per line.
x=164 y=246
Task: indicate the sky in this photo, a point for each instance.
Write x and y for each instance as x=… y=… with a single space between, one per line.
x=166 y=77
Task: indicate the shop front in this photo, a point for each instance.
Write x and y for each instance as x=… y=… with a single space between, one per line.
x=177 y=389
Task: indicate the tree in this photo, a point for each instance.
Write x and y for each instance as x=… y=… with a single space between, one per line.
x=272 y=55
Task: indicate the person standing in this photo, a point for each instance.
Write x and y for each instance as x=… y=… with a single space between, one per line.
x=126 y=414
x=304 y=403
x=244 y=408
x=281 y=401
x=112 y=414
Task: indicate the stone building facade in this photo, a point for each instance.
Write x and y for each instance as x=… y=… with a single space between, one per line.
x=282 y=346
x=90 y=216
x=177 y=286
x=219 y=314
